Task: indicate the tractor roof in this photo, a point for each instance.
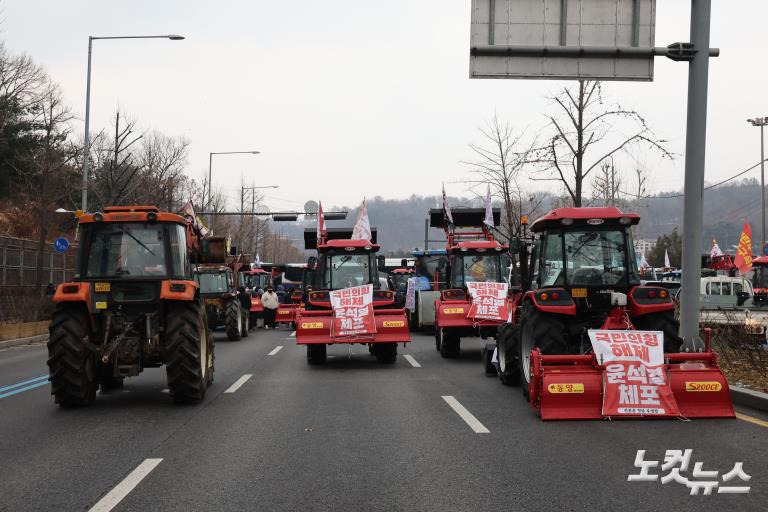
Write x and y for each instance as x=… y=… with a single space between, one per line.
x=403 y=271
x=760 y=260
x=335 y=235
x=462 y=217
x=588 y=216
x=212 y=269
x=132 y=214
x=255 y=272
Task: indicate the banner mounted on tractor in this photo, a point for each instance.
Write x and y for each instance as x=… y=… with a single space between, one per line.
x=353 y=311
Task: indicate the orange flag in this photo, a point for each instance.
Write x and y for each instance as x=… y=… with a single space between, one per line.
x=743 y=259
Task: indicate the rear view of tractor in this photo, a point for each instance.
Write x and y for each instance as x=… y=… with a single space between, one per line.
x=582 y=278
x=133 y=305
x=225 y=305
x=475 y=258
x=429 y=270
x=343 y=263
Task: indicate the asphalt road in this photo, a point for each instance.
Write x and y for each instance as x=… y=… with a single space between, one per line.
x=350 y=435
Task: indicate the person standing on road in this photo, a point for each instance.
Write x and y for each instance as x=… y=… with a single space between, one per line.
x=271 y=303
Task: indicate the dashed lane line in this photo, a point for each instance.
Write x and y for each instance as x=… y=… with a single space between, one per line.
x=122 y=489
x=293 y=334
x=750 y=419
x=410 y=359
x=239 y=382
x=467 y=416
x=275 y=350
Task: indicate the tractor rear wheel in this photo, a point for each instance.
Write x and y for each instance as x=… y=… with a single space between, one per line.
x=509 y=355
x=663 y=321
x=543 y=331
x=108 y=380
x=450 y=343
x=188 y=352
x=73 y=366
x=385 y=353
x=233 y=320
x=316 y=354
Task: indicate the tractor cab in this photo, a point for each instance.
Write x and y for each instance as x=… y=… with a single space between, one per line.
x=760 y=279
x=256 y=279
x=586 y=252
x=398 y=283
x=342 y=263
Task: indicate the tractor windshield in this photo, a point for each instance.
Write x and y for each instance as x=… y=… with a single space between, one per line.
x=760 y=277
x=476 y=268
x=588 y=258
x=212 y=283
x=128 y=250
x=400 y=281
x=347 y=270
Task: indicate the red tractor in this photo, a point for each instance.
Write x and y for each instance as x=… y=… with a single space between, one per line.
x=398 y=283
x=255 y=280
x=474 y=255
x=344 y=263
x=760 y=279
x=583 y=275
x=132 y=305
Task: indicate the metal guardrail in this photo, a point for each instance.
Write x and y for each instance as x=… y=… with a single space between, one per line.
x=18 y=263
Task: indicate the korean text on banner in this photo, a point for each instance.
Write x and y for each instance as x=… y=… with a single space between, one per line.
x=353 y=311
x=634 y=380
x=410 y=294
x=489 y=301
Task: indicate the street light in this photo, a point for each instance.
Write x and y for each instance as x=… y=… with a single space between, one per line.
x=87 y=149
x=761 y=122
x=210 y=167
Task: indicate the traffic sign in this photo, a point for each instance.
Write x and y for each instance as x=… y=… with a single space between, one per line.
x=61 y=244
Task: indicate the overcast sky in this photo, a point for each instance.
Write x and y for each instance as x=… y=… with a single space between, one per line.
x=349 y=98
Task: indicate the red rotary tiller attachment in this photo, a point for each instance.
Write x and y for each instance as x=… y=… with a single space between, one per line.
x=571 y=387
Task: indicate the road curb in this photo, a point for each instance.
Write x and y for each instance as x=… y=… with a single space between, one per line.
x=23 y=341
x=749 y=398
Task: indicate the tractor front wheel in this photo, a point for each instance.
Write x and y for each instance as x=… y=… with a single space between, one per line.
x=450 y=343
x=233 y=320
x=73 y=367
x=245 y=324
x=508 y=354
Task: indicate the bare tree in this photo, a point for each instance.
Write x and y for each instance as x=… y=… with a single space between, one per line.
x=499 y=162
x=606 y=185
x=587 y=131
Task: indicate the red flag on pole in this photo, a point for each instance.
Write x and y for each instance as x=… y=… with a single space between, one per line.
x=320 y=223
x=743 y=260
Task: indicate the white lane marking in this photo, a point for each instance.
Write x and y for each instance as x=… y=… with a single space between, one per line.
x=275 y=350
x=292 y=334
x=411 y=360
x=122 y=489
x=239 y=382
x=467 y=416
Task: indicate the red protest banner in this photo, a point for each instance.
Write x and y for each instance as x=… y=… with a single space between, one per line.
x=353 y=311
x=743 y=260
x=489 y=301
x=634 y=380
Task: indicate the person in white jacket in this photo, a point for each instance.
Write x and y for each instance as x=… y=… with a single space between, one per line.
x=271 y=302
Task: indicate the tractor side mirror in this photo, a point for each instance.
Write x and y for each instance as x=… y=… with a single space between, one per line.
x=381 y=263
x=404 y=262
x=742 y=297
x=312 y=263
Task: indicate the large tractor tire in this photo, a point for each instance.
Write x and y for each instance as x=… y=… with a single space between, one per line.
x=662 y=321
x=73 y=367
x=413 y=316
x=543 y=331
x=509 y=355
x=385 y=353
x=188 y=353
x=233 y=320
x=316 y=354
x=450 y=343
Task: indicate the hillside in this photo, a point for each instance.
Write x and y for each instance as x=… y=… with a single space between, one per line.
x=401 y=221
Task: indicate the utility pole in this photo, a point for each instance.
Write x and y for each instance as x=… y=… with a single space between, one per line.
x=761 y=122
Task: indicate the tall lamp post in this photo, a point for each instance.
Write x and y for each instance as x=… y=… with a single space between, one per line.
x=761 y=122
x=87 y=149
x=210 y=168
